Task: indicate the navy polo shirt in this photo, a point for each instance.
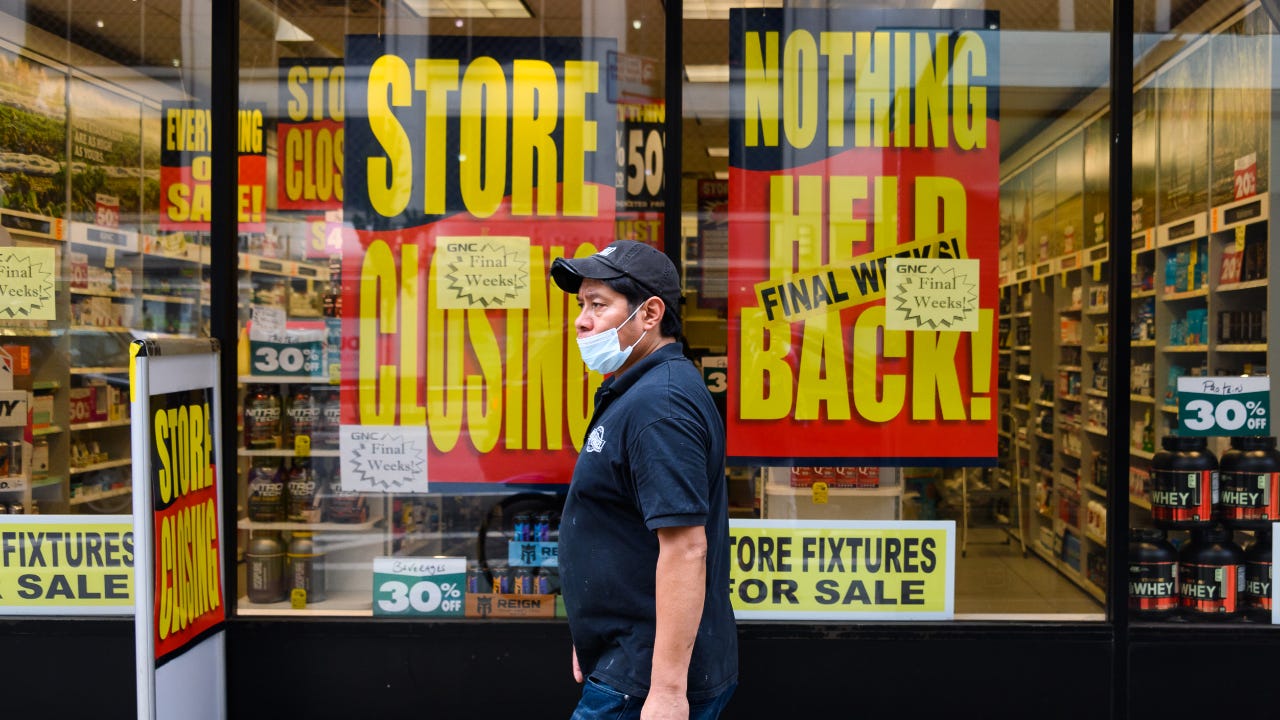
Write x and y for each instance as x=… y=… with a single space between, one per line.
x=653 y=458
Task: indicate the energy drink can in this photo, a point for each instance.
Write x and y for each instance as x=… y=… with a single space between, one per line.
x=522 y=528
x=501 y=577
x=542 y=527
x=522 y=581
x=476 y=581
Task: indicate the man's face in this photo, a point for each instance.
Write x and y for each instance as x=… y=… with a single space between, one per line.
x=602 y=309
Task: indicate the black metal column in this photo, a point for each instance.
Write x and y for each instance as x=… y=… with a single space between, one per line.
x=1119 y=229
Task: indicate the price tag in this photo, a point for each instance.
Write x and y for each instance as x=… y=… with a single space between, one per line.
x=288 y=359
x=1245 y=181
x=418 y=587
x=715 y=373
x=1224 y=406
x=819 y=493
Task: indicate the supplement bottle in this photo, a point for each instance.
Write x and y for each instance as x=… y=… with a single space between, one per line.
x=1211 y=576
x=1247 y=476
x=265 y=559
x=301 y=416
x=262 y=418
x=1257 y=578
x=1184 y=483
x=327 y=424
x=1153 y=575
x=266 y=493
x=306 y=566
x=304 y=498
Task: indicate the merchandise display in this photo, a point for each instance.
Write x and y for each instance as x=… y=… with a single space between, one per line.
x=1211 y=576
x=1153 y=575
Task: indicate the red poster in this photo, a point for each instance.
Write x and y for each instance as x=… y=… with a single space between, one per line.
x=863 y=230
x=449 y=318
x=187 y=592
x=186 y=165
x=310 y=134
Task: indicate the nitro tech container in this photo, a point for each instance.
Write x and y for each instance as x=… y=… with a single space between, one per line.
x=1153 y=575
x=1211 y=576
x=1184 y=483
x=1247 y=480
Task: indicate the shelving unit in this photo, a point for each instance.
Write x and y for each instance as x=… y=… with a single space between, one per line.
x=1199 y=293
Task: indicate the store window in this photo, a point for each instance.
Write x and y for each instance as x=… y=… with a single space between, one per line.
x=408 y=172
x=88 y=264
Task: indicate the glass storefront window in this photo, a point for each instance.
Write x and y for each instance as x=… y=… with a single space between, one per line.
x=895 y=244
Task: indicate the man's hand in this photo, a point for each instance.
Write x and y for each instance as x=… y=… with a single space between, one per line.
x=577 y=671
x=665 y=706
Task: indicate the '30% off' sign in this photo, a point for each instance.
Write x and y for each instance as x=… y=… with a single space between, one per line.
x=405 y=587
x=1224 y=406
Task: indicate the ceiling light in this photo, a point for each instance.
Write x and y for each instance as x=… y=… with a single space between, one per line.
x=707 y=73
x=636 y=24
x=288 y=32
x=718 y=151
x=100 y=24
x=469 y=8
x=722 y=174
x=719 y=9
x=177 y=62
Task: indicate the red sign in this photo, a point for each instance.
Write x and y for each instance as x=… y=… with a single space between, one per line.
x=836 y=169
x=310 y=134
x=449 y=318
x=187 y=592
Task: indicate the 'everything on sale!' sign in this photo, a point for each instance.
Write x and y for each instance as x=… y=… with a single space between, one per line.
x=186 y=166
x=863 y=228
x=470 y=164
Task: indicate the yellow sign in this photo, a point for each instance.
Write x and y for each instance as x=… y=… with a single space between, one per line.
x=26 y=283
x=842 y=570
x=64 y=565
x=932 y=294
x=482 y=272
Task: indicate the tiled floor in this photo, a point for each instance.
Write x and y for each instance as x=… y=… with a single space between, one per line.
x=994 y=578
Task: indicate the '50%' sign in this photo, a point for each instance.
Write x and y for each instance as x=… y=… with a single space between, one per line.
x=405 y=587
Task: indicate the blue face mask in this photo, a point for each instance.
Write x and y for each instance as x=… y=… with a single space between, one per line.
x=602 y=352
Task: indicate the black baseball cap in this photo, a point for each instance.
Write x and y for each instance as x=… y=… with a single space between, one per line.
x=648 y=266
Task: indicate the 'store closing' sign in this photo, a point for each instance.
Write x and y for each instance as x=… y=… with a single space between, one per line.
x=842 y=570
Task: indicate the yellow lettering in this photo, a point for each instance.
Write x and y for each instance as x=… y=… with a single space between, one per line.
x=970 y=101
x=766 y=377
x=580 y=79
x=822 y=349
x=534 y=112
x=760 y=115
x=390 y=178
x=869 y=333
x=482 y=137
x=376 y=383
x=800 y=89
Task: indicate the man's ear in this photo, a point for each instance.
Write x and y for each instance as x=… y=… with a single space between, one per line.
x=652 y=312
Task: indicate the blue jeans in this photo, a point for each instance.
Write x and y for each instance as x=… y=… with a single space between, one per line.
x=601 y=702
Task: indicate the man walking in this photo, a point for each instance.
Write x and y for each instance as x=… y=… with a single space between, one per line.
x=644 y=538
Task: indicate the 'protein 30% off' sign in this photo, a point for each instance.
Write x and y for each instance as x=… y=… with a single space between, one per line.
x=1224 y=406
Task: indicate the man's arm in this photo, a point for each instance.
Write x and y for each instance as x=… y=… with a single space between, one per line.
x=680 y=583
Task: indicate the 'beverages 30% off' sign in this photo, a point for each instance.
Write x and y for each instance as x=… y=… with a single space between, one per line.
x=1224 y=406
x=404 y=587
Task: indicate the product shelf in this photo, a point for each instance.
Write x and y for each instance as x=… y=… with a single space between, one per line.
x=1139 y=452
x=1143 y=503
x=101 y=495
x=1185 y=348
x=287 y=379
x=1090 y=487
x=286 y=453
x=119 y=462
x=1185 y=295
x=1147 y=399
x=100 y=424
x=1246 y=285
x=1241 y=348
x=335 y=604
x=247 y=524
